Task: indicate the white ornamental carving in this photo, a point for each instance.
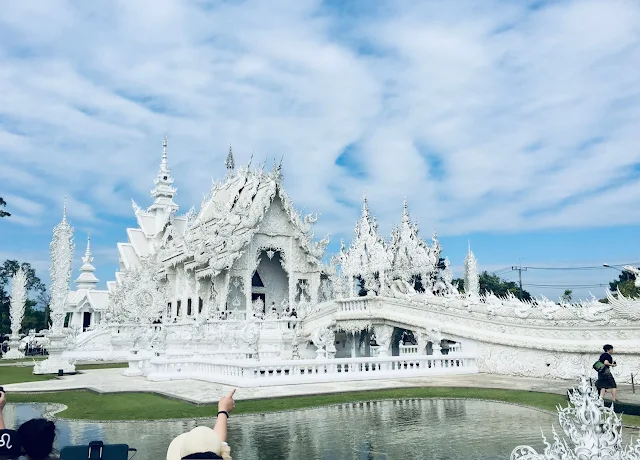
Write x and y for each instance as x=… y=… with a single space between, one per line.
x=141 y=297
x=367 y=253
x=18 y=300
x=62 y=249
x=471 y=277
x=593 y=431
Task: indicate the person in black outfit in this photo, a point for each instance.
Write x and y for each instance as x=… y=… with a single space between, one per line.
x=605 y=378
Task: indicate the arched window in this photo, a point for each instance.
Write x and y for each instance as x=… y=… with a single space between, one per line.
x=189 y=311
x=200 y=305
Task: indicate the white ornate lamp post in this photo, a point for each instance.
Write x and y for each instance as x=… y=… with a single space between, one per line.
x=16 y=313
x=62 y=249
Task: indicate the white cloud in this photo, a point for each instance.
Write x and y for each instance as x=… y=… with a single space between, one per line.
x=488 y=117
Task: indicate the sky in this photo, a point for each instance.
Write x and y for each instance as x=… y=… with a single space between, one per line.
x=512 y=125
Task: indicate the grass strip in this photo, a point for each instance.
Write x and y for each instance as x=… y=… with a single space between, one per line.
x=88 y=405
x=20 y=374
x=84 y=367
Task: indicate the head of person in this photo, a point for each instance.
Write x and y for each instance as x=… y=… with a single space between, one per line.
x=200 y=443
x=608 y=348
x=37 y=436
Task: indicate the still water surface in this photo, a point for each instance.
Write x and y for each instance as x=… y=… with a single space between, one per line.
x=410 y=429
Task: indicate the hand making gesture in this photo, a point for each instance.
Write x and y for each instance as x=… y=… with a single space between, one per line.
x=226 y=403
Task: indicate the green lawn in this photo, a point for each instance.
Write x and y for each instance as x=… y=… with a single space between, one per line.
x=18 y=374
x=26 y=358
x=84 y=367
x=144 y=406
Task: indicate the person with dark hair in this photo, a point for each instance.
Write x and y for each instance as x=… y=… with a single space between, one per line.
x=37 y=436
x=605 y=377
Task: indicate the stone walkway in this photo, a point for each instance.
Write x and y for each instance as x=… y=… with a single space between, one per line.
x=112 y=381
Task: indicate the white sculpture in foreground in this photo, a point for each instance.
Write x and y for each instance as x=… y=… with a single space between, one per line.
x=592 y=431
x=62 y=249
x=240 y=288
x=16 y=312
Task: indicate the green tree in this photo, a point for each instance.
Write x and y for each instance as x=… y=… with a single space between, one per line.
x=37 y=302
x=567 y=296
x=493 y=283
x=3 y=213
x=625 y=284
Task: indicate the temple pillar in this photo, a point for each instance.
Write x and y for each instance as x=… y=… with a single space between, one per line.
x=367 y=344
x=224 y=295
x=292 y=279
x=353 y=344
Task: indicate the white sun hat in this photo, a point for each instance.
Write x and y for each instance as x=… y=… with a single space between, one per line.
x=201 y=439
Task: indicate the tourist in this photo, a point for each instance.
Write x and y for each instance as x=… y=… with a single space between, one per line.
x=204 y=442
x=605 y=377
x=36 y=435
x=3 y=402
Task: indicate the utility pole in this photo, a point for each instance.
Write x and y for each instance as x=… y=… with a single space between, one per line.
x=519 y=269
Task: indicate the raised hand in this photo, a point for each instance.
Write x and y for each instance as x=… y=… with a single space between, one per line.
x=227 y=403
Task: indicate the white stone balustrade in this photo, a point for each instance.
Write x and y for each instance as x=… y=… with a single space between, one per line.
x=408 y=350
x=308 y=371
x=355 y=304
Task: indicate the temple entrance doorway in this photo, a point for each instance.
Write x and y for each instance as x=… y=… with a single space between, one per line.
x=86 y=320
x=270 y=282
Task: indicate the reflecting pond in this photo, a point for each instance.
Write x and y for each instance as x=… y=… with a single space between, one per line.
x=402 y=429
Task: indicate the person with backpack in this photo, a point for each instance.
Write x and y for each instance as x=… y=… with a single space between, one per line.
x=605 y=377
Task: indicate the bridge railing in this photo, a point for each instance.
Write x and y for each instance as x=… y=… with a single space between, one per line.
x=258 y=373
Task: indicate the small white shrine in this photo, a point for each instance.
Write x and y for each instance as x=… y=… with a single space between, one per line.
x=239 y=292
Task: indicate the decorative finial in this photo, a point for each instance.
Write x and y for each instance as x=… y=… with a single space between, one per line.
x=405 y=211
x=365 y=205
x=64 y=209
x=87 y=259
x=230 y=163
x=164 y=147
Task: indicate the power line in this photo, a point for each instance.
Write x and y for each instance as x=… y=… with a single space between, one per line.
x=566 y=286
x=597 y=267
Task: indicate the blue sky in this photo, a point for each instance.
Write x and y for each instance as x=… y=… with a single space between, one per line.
x=515 y=125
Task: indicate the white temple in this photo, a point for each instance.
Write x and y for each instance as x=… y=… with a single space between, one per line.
x=238 y=293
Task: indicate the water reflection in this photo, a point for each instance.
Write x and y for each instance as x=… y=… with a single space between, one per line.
x=412 y=429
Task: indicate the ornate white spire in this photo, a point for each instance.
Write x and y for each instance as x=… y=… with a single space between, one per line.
x=409 y=255
x=18 y=299
x=367 y=253
x=406 y=219
x=471 y=278
x=87 y=278
x=230 y=163
x=62 y=249
x=164 y=191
